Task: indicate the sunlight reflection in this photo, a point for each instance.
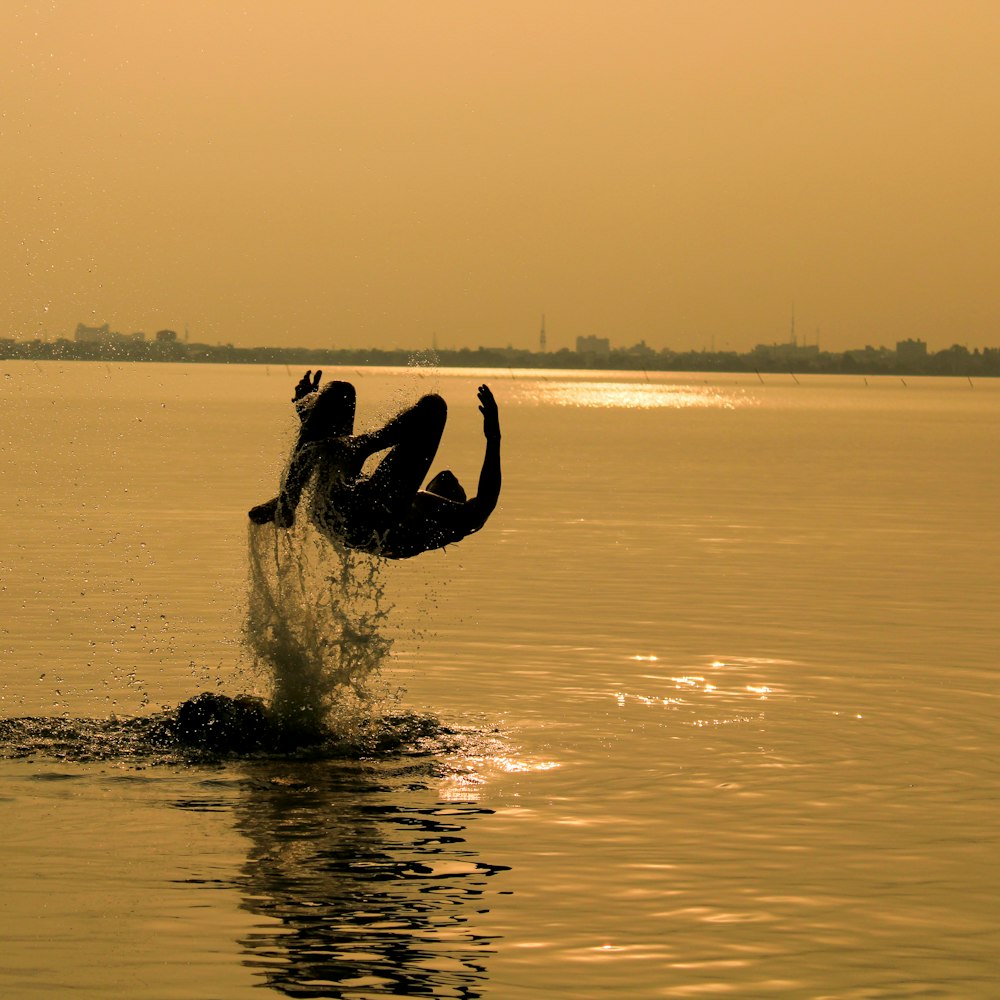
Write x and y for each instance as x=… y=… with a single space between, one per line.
x=512 y=765
x=722 y=697
x=465 y=780
x=636 y=395
x=617 y=952
x=460 y=788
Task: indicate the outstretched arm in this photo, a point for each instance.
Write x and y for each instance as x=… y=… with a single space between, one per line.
x=488 y=492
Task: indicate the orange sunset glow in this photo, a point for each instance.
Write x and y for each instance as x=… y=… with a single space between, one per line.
x=388 y=174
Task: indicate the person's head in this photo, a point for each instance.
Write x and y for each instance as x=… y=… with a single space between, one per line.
x=445 y=484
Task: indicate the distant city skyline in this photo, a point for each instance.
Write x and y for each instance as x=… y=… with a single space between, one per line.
x=907 y=357
x=399 y=175
x=580 y=343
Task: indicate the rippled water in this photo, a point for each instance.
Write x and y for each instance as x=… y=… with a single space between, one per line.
x=707 y=709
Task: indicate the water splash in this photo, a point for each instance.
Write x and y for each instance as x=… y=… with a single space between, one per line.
x=315 y=628
x=211 y=727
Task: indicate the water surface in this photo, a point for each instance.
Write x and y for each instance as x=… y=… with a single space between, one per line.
x=715 y=690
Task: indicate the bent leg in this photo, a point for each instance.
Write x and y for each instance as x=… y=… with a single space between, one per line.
x=330 y=419
x=327 y=414
x=378 y=502
x=331 y=413
x=413 y=438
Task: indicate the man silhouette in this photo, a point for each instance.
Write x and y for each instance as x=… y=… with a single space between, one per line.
x=385 y=513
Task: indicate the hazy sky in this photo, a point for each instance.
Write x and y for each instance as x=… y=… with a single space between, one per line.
x=387 y=173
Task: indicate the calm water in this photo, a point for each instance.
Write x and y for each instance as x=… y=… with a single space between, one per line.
x=717 y=689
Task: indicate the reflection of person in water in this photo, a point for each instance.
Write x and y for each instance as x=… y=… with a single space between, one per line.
x=364 y=881
x=386 y=512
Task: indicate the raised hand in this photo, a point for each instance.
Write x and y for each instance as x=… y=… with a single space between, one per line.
x=491 y=413
x=307 y=385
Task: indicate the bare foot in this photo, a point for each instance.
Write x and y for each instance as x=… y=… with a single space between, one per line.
x=306 y=385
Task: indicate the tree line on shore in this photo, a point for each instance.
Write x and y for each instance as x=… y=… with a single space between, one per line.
x=955 y=360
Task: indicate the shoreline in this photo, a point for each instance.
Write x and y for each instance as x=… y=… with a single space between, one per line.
x=952 y=362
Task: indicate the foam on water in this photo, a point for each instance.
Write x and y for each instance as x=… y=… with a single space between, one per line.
x=213 y=727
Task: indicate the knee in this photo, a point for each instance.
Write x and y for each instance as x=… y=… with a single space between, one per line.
x=339 y=393
x=333 y=412
x=433 y=403
x=432 y=407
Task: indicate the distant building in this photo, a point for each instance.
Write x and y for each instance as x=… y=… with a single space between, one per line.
x=593 y=345
x=640 y=350
x=92 y=334
x=104 y=335
x=166 y=336
x=787 y=353
x=909 y=351
x=508 y=352
x=870 y=355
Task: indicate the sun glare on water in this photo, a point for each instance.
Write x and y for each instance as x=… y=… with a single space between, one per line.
x=636 y=395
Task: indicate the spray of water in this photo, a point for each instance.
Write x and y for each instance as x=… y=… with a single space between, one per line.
x=315 y=628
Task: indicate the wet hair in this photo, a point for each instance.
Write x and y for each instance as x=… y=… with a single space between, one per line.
x=445 y=484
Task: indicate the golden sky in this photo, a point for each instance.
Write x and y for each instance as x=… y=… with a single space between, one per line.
x=387 y=174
